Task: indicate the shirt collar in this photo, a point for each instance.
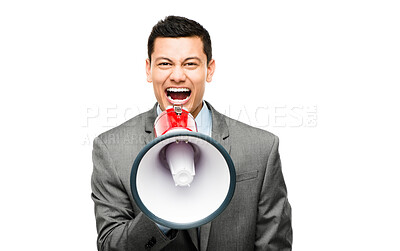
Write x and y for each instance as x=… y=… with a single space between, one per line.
x=203 y=120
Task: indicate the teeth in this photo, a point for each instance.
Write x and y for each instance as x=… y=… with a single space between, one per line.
x=180 y=100
x=178 y=90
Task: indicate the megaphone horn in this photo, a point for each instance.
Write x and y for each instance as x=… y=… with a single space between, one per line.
x=182 y=179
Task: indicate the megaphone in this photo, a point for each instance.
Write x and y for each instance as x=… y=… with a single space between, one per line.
x=182 y=179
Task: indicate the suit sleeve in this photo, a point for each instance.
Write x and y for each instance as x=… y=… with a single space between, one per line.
x=274 y=227
x=117 y=226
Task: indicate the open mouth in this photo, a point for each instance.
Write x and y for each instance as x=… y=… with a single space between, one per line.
x=178 y=96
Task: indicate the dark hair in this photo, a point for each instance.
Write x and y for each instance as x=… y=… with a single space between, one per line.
x=174 y=26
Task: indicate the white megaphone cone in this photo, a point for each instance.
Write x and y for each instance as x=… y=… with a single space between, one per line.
x=182 y=179
x=180 y=159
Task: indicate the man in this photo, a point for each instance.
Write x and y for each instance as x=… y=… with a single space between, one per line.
x=258 y=216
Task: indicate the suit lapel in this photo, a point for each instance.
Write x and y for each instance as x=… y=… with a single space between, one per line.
x=204 y=236
x=220 y=133
x=149 y=124
x=193 y=235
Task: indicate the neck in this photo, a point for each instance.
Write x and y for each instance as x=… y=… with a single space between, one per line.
x=198 y=109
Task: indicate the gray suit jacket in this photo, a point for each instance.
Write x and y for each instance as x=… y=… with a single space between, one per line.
x=257 y=218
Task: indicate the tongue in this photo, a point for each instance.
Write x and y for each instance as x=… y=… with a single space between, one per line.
x=178 y=95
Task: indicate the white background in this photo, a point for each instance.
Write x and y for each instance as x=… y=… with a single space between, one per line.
x=319 y=74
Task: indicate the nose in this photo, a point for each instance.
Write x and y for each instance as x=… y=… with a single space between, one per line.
x=178 y=74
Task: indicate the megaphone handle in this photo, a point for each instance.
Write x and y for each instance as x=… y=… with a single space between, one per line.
x=178 y=109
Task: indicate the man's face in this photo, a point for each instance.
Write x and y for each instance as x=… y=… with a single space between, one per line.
x=179 y=70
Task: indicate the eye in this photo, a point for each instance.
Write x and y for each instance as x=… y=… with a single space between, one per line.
x=164 y=65
x=191 y=65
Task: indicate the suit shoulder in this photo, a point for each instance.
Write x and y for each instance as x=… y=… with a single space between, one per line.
x=134 y=125
x=253 y=133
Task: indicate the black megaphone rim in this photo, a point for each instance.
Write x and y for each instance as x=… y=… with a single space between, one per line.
x=174 y=225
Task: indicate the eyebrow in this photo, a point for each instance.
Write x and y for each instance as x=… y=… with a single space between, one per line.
x=186 y=59
x=190 y=58
x=163 y=58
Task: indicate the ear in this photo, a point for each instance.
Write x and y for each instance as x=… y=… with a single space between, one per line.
x=210 y=70
x=148 y=71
